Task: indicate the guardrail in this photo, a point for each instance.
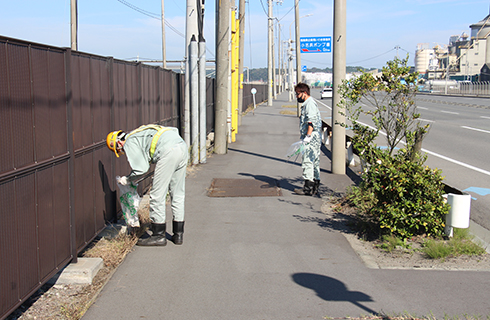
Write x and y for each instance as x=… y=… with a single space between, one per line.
x=461 y=88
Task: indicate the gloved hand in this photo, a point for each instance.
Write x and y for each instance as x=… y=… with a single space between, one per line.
x=307 y=138
x=122 y=180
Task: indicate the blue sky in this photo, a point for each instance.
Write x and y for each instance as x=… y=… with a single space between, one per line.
x=374 y=28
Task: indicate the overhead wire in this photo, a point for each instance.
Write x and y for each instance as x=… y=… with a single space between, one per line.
x=372 y=57
x=157 y=17
x=151 y=15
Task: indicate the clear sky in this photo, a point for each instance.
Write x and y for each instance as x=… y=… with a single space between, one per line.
x=374 y=28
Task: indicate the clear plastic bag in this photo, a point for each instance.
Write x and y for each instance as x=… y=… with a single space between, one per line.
x=295 y=149
x=130 y=202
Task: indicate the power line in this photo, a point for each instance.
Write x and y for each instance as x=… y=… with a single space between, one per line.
x=372 y=57
x=263 y=8
x=151 y=15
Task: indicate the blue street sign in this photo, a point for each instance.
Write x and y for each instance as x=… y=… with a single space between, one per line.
x=303 y=69
x=315 y=44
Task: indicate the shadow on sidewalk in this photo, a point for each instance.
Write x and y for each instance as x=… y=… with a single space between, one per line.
x=330 y=289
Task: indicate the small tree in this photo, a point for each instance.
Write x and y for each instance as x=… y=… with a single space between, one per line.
x=390 y=101
x=403 y=197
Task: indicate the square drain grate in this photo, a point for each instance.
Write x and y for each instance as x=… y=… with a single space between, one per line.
x=243 y=188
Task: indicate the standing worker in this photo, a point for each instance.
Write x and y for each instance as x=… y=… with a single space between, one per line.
x=164 y=147
x=310 y=126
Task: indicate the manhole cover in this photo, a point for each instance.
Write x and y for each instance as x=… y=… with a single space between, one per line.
x=243 y=188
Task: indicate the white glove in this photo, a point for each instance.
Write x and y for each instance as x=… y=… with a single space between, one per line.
x=122 y=180
x=307 y=138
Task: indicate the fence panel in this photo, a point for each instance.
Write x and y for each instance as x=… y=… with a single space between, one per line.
x=57 y=179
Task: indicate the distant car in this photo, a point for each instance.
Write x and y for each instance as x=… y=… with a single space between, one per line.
x=326 y=93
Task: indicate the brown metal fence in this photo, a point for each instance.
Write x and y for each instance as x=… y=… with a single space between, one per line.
x=57 y=179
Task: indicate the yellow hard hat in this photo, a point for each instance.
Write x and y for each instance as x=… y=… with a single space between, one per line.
x=112 y=141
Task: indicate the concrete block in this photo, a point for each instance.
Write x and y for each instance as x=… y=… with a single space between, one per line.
x=82 y=272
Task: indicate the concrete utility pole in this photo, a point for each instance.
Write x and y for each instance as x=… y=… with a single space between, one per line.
x=241 y=47
x=279 y=55
x=194 y=97
x=191 y=30
x=290 y=70
x=338 y=131
x=274 y=87
x=269 y=56
x=164 y=55
x=202 y=86
x=74 y=24
x=298 y=52
x=222 y=66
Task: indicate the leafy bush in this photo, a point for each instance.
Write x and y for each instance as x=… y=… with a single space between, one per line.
x=408 y=196
x=401 y=195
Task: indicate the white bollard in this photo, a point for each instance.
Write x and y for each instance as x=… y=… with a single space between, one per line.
x=459 y=212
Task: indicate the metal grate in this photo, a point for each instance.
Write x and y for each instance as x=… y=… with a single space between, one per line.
x=243 y=188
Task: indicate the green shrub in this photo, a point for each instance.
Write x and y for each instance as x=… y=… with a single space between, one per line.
x=408 y=197
x=401 y=195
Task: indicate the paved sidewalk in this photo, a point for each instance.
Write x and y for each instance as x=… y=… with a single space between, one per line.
x=274 y=257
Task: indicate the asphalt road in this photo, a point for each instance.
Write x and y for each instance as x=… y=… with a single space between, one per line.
x=457 y=143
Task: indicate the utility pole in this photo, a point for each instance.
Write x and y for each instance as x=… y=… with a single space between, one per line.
x=274 y=78
x=290 y=70
x=241 y=47
x=338 y=131
x=269 y=57
x=298 y=52
x=279 y=54
x=191 y=85
x=222 y=66
x=74 y=24
x=202 y=86
x=164 y=56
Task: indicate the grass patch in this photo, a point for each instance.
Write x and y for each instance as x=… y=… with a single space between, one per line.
x=289 y=112
x=390 y=243
x=460 y=244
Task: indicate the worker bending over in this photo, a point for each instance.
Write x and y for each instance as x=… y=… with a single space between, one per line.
x=164 y=147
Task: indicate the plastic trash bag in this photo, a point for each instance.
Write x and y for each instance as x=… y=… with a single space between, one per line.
x=296 y=149
x=130 y=202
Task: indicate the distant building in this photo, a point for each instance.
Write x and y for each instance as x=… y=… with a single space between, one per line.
x=463 y=58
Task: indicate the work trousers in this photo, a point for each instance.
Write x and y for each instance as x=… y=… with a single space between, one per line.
x=169 y=177
x=311 y=158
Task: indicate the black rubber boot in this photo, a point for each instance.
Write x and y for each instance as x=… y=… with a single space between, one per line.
x=157 y=237
x=316 y=186
x=307 y=189
x=178 y=228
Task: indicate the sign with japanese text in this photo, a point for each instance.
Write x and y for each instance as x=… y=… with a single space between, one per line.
x=315 y=44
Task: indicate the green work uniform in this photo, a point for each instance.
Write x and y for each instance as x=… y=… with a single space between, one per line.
x=170 y=156
x=311 y=155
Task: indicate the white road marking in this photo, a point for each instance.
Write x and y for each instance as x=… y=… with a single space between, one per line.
x=324 y=104
x=484 y=117
x=475 y=129
x=425 y=120
x=450 y=112
x=423 y=108
x=441 y=156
